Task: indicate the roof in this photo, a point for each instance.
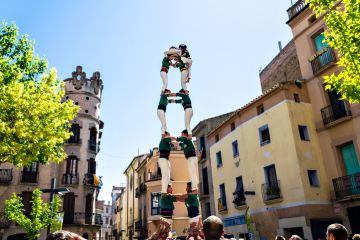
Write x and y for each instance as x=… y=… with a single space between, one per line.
x=198 y=126
x=135 y=158
x=267 y=92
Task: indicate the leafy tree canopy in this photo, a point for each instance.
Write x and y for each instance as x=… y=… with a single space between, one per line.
x=342 y=19
x=34 y=122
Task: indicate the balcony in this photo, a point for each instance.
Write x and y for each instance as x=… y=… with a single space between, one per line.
x=70 y=179
x=92 y=180
x=332 y=113
x=138 y=225
x=322 y=59
x=4 y=222
x=29 y=177
x=347 y=187
x=155 y=176
x=222 y=206
x=80 y=218
x=271 y=192
x=239 y=199
x=296 y=9
x=93 y=146
x=6 y=176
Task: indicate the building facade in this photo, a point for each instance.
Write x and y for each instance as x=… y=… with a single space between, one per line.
x=104 y=210
x=206 y=193
x=116 y=193
x=77 y=172
x=337 y=122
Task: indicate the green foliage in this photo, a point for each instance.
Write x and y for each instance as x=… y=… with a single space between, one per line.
x=34 y=123
x=41 y=216
x=343 y=35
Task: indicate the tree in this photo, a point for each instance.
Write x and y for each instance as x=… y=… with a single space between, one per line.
x=342 y=19
x=41 y=216
x=34 y=122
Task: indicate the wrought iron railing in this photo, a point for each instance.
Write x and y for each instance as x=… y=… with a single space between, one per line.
x=271 y=191
x=322 y=59
x=143 y=188
x=29 y=177
x=332 y=113
x=92 y=180
x=6 y=176
x=70 y=178
x=296 y=8
x=81 y=218
x=239 y=199
x=347 y=186
x=93 y=146
x=222 y=206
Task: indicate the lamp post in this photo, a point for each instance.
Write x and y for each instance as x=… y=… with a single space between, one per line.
x=53 y=190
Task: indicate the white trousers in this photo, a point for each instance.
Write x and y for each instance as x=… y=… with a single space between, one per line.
x=188 y=62
x=162 y=117
x=164 y=165
x=192 y=163
x=165 y=80
x=184 y=78
x=188 y=116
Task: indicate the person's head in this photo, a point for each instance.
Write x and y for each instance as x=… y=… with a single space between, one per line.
x=172 y=47
x=63 y=235
x=184 y=133
x=336 y=231
x=166 y=134
x=356 y=237
x=169 y=189
x=182 y=46
x=188 y=187
x=279 y=237
x=213 y=228
x=167 y=91
x=183 y=91
x=295 y=237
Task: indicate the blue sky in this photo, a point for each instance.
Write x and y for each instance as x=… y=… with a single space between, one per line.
x=229 y=42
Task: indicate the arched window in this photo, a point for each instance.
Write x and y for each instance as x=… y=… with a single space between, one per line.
x=75 y=129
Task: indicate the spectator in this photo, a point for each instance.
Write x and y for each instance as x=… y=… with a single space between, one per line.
x=279 y=237
x=295 y=237
x=336 y=231
x=356 y=237
x=213 y=228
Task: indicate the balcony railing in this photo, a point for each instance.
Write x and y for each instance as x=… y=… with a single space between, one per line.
x=222 y=205
x=347 y=186
x=322 y=59
x=6 y=176
x=4 y=222
x=239 y=199
x=93 y=146
x=295 y=9
x=271 y=191
x=70 y=178
x=81 y=218
x=92 y=180
x=155 y=176
x=332 y=113
x=29 y=177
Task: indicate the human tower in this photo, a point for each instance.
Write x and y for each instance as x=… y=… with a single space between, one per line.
x=177 y=58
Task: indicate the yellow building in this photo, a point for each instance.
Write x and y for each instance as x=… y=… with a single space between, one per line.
x=266 y=157
x=337 y=122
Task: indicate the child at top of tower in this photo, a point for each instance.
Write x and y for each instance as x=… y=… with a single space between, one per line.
x=185 y=57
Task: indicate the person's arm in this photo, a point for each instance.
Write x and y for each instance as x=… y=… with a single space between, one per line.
x=178 y=101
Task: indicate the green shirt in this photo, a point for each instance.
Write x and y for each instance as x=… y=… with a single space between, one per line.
x=185 y=99
x=163 y=100
x=186 y=144
x=166 y=63
x=192 y=200
x=167 y=202
x=165 y=144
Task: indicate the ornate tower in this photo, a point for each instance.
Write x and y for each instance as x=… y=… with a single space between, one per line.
x=78 y=171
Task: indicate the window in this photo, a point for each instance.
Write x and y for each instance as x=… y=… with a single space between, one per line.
x=155 y=203
x=260 y=109
x=75 y=138
x=232 y=126
x=319 y=42
x=34 y=167
x=30 y=173
x=107 y=210
x=304 y=134
x=202 y=147
x=26 y=201
x=217 y=138
x=271 y=188
x=93 y=139
x=235 y=149
x=313 y=178
x=264 y=135
x=222 y=202
x=205 y=181
x=92 y=166
x=207 y=210
x=296 y=97
x=218 y=159
x=72 y=165
x=239 y=196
